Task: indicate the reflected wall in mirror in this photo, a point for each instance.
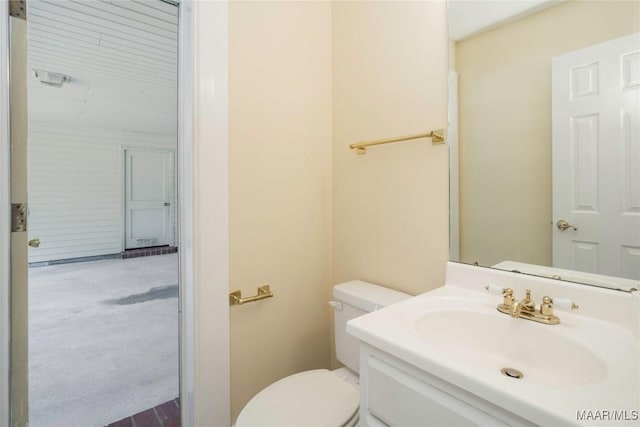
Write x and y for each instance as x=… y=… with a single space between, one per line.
x=516 y=106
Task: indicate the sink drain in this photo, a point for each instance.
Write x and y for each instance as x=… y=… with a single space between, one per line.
x=512 y=373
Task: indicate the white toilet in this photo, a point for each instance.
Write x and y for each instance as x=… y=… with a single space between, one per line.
x=321 y=397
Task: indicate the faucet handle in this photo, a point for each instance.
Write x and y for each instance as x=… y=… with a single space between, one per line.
x=548 y=303
x=508 y=299
x=564 y=303
x=495 y=289
x=507 y=294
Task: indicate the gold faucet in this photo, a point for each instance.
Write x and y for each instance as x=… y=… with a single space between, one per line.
x=526 y=308
x=526 y=305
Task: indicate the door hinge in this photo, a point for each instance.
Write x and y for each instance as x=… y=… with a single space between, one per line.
x=18 y=217
x=18 y=9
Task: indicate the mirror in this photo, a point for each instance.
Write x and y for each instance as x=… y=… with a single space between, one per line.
x=545 y=138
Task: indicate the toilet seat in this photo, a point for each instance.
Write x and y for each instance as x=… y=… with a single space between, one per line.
x=310 y=398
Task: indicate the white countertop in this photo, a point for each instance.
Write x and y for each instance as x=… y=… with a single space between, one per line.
x=544 y=401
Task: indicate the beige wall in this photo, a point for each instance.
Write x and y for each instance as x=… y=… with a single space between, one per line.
x=390 y=206
x=280 y=189
x=505 y=125
x=382 y=67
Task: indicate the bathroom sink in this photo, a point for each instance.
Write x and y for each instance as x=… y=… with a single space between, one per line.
x=456 y=334
x=494 y=341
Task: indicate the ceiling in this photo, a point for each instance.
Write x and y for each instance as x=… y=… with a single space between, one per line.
x=122 y=59
x=470 y=17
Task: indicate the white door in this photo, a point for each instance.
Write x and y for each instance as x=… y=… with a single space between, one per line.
x=148 y=196
x=596 y=158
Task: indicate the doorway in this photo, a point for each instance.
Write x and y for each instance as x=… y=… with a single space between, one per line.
x=198 y=380
x=94 y=314
x=149 y=178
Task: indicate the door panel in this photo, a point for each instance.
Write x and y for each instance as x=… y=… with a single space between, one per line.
x=596 y=158
x=148 y=195
x=19 y=271
x=5 y=222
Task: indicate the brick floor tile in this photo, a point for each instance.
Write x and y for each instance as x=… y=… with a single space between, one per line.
x=125 y=422
x=169 y=414
x=146 y=419
x=165 y=415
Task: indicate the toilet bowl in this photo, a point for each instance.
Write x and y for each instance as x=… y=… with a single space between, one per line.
x=321 y=397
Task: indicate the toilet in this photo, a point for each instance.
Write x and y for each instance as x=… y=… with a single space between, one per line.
x=321 y=397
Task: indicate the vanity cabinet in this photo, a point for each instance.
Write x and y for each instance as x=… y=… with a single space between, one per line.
x=395 y=393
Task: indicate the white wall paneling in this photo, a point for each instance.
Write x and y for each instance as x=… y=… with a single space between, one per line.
x=76 y=188
x=122 y=58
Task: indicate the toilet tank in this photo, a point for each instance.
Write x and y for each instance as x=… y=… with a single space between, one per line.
x=351 y=300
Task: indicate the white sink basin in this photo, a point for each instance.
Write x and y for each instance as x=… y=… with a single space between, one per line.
x=494 y=341
x=458 y=335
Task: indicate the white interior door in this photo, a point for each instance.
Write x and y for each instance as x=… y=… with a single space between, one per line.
x=596 y=158
x=148 y=195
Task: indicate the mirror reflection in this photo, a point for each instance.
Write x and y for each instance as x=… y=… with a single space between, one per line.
x=545 y=138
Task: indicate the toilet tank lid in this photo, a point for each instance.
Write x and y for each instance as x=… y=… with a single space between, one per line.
x=366 y=296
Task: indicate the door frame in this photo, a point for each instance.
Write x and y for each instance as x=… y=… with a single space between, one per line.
x=205 y=199
x=454 y=169
x=204 y=357
x=123 y=190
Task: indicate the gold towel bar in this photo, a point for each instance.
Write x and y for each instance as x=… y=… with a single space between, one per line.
x=437 y=137
x=235 y=297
